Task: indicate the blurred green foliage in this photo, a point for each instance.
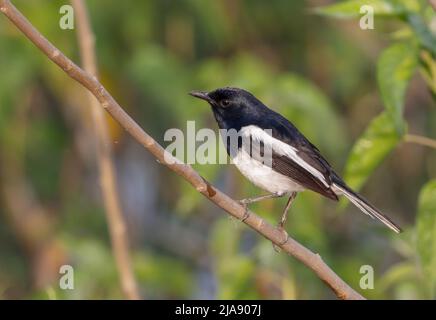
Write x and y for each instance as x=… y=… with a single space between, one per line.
x=372 y=147
x=396 y=66
x=354 y=93
x=426 y=234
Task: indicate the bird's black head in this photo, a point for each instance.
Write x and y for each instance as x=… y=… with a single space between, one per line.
x=232 y=107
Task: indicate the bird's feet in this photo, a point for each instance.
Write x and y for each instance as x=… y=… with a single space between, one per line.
x=285 y=238
x=244 y=203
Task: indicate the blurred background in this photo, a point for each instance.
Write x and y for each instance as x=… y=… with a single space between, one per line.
x=317 y=71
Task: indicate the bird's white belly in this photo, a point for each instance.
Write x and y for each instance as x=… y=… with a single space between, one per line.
x=263 y=176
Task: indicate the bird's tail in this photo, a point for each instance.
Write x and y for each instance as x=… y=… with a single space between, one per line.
x=367 y=208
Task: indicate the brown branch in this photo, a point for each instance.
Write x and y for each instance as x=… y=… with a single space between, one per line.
x=31 y=221
x=433 y=4
x=108 y=180
x=292 y=247
x=423 y=141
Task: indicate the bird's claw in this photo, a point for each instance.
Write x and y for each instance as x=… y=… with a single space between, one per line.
x=244 y=203
x=285 y=236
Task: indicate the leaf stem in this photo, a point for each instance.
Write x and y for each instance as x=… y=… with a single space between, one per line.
x=421 y=140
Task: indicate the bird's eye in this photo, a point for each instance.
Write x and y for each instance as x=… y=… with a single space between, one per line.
x=225 y=103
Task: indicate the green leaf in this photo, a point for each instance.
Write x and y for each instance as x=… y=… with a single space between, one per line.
x=396 y=274
x=351 y=8
x=378 y=140
x=426 y=233
x=426 y=38
x=395 y=67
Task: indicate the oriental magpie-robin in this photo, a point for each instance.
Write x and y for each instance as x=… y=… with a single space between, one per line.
x=296 y=164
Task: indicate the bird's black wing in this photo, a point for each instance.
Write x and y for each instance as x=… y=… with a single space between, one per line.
x=288 y=167
x=284 y=131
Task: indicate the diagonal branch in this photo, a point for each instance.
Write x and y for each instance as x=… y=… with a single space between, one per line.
x=292 y=247
x=107 y=176
x=421 y=140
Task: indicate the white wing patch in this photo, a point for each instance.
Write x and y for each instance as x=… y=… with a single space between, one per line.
x=264 y=176
x=282 y=149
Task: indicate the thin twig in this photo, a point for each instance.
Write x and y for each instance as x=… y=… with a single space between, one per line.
x=423 y=141
x=292 y=247
x=107 y=175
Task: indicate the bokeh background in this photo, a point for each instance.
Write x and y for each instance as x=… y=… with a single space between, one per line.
x=320 y=72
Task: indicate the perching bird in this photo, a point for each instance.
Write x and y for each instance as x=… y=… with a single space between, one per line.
x=296 y=164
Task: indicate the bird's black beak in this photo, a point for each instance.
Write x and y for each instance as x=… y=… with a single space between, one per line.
x=201 y=95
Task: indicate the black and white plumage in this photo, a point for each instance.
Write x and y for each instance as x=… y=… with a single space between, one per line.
x=296 y=164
